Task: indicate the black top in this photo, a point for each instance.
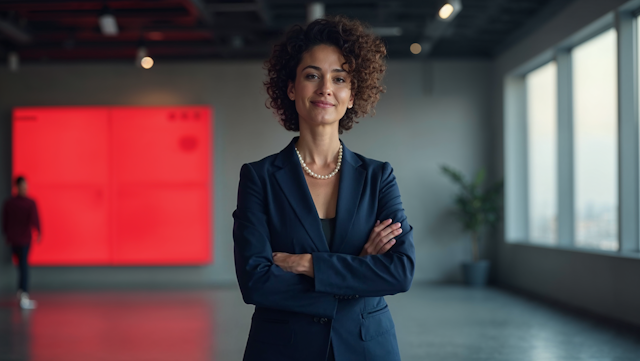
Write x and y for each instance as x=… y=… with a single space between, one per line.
x=19 y=217
x=328 y=226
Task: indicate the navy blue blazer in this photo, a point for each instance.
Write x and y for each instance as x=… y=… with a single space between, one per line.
x=296 y=316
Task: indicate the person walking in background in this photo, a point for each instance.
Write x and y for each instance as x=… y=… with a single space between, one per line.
x=19 y=218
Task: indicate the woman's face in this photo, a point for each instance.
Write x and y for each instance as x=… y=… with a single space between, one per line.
x=322 y=89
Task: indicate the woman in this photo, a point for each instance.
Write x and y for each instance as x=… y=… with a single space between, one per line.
x=320 y=235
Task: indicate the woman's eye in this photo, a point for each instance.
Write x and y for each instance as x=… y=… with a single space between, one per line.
x=311 y=76
x=340 y=80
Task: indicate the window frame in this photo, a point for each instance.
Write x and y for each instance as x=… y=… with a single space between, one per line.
x=624 y=20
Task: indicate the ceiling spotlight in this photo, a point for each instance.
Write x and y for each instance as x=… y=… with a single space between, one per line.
x=445 y=11
x=449 y=10
x=146 y=62
x=108 y=23
x=415 y=48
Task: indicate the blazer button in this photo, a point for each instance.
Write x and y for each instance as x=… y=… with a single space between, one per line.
x=316 y=319
x=356 y=296
x=323 y=320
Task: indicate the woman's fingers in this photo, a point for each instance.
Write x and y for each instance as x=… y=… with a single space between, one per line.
x=385 y=235
x=382 y=230
x=381 y=225
x=380 y=236
x=377 y=248
x=389 y=229
x=373 y=237
x=386 y=246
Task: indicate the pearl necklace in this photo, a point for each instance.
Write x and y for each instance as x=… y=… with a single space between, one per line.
x=317 y=176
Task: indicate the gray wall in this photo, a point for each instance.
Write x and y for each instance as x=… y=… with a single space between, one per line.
x=591 y=281
x=431 y=114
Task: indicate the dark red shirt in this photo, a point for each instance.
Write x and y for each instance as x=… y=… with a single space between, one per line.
x=19 y=217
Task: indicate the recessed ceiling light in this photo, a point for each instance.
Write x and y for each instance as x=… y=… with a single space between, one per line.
x=108 y=23
x=146 y=62
x=445 y=11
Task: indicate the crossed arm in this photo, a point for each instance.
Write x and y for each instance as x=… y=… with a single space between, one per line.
x=380 y=241
x=308 y=283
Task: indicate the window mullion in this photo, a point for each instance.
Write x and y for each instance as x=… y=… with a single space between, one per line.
x=628 y=191
x=566 y=228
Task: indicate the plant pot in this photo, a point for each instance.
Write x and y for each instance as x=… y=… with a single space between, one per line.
x=476 y=273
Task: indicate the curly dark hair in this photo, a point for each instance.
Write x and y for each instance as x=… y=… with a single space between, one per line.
x=364 y=55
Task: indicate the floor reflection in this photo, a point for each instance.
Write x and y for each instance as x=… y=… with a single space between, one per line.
x=115 y=326
x=433 y=322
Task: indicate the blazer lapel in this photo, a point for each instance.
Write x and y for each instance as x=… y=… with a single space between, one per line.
x=349 y=192
x=294 y=186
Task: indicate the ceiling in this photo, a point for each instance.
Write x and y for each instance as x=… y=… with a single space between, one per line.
x=246 y=29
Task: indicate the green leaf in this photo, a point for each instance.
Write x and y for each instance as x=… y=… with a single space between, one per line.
x=479 y=178
x=455 y=176
x=477 y=207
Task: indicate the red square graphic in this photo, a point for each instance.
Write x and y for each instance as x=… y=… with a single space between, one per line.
x=118 y=185
x=158 y=224
x=75 y=226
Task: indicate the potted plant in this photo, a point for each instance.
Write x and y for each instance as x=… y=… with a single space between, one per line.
x=478 y=207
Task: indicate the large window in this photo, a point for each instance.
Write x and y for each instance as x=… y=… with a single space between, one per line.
x=595 y=142
x=572 y=142
x=541 y=87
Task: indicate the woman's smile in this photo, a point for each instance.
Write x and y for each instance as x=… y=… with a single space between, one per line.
x=322 y=104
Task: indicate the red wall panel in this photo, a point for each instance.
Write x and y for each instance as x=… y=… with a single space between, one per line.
x=118 y=185
x=161 y=193
x=63 y=153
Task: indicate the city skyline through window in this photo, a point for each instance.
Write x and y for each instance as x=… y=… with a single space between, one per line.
x=542 y=123
x=595 y=141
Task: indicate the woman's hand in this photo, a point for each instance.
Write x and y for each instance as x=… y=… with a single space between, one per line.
x=381 y=238
x=294 y=263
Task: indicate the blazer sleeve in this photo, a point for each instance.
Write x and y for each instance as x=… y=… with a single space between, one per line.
x=263 y=283
x=376 y=275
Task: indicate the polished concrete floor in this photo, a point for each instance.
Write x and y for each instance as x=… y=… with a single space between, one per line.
x=433 y=322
